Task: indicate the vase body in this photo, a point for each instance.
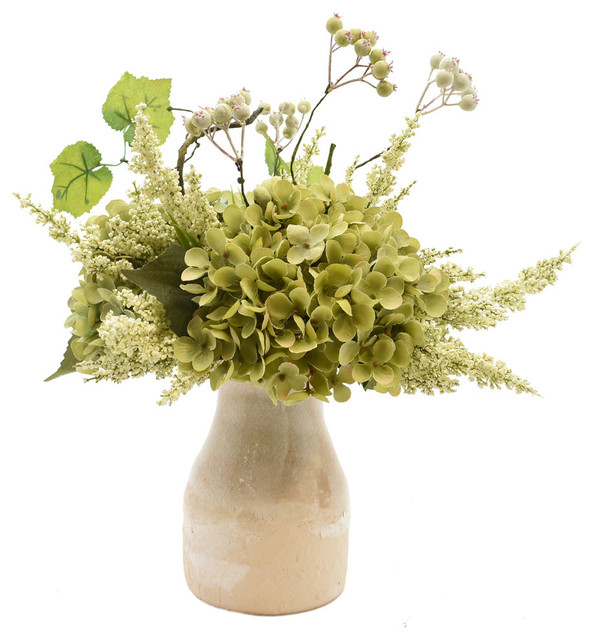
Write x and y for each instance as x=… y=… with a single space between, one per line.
x=266 y=508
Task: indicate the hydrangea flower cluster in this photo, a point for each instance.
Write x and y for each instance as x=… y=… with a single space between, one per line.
x=311 y=282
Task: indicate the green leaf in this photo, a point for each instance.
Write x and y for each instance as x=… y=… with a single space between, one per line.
x=80 y=180
x=271 y=155
x=68 y=364
x=314 y=175
x=119 y=109
x=162 y=278
x=186 y=239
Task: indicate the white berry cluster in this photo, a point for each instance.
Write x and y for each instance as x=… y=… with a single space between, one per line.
x=452 y=82
x=235 y=108
x=285 y=121
x=370 y=59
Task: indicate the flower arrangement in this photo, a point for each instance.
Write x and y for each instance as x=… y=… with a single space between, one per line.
x=299 y=285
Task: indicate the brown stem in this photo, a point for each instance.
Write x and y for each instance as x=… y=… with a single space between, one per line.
x=375 y=157
x=241 y=181
x=181 y=159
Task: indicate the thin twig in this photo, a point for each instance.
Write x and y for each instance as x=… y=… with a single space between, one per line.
x=375 y=157
x=192 y=154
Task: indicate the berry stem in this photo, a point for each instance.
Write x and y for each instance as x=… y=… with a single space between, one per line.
x=181 y=155
x=429 y=83
x=332 y=49
x=211 y=138
x=445 y=104
x=179 y=109
x=242 y=141
x=326 y=92
x=346 y=73
x=361 y=79
x=237 y=156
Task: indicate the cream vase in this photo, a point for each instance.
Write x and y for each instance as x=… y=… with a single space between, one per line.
x=266 y=508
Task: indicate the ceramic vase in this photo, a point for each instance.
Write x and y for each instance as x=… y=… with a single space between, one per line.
x=266 y=508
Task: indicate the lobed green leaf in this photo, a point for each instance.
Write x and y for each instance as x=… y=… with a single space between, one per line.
x=120 y=107
x=80 y=180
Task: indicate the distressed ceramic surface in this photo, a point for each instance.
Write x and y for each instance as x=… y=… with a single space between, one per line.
x=266 y=508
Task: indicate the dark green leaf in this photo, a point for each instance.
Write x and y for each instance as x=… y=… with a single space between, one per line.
x=68 y=364
x=162 y=278
x=186 y=239
x=79 y=179
x=119 y=109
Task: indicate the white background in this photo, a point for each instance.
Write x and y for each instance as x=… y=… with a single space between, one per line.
x=471 y=513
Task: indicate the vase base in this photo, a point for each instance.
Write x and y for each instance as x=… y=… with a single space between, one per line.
x=267 y=569
x=287 y=612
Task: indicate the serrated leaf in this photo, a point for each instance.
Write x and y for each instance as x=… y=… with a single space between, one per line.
x=68 y=364
x=314 y=175
x=162 y=278
x=80 y=180
x=119 y=109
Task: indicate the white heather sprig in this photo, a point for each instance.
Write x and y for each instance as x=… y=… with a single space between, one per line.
x=484 y=307
x=191 y=211
x=457 y=273
x=203 y=216
x=184 y=381
x=429 y=256
x=144 y=305
x=133 y=347
x=442 y=360
x=112 y=244
x=391 y=204
x=381 y=179
x=60 y=228
x=350 y=171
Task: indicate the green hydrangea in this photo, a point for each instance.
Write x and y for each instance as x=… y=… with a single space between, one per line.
x=305 y=291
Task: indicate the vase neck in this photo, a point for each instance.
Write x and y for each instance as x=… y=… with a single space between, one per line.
x=241 y=403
